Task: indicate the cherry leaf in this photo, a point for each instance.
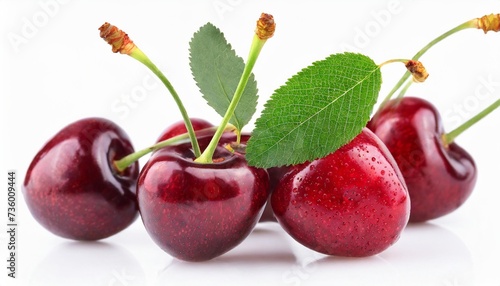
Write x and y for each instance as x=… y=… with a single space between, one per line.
x=217 y=70
x=317 y=111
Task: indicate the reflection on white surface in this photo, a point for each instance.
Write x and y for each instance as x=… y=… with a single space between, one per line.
x=258 y=260
x=88 y=263
x=426 y=254
x=431 y=255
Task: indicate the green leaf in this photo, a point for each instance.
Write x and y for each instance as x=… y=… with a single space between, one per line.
x=317 y=111
x=217 y=70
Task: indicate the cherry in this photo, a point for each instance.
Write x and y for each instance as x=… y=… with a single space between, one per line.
x=196 y=206
x=72 y=187
x=440 y=176
x=275 y=173
x=196 y=211
x=179 y=128
x=353 y=202
x=275 y=176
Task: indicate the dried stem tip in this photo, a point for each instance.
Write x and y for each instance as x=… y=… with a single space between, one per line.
x=489 y=22
x=265 y=26
x=119 y=40
x=417 y=70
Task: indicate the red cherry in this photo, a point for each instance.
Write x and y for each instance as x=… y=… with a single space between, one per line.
x=179 y=128
x=440 y=177
x=353 y=202
x=196 y=211
x=275 y=176
x=72 y=188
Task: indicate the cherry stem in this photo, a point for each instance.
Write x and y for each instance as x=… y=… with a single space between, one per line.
x=450 y=136
x=141 y=57
x=121 y=43
x=414 y=67
x=405 y=88
x=265 y=30
x=463 y=26
x=123 y=163
x=393 y=61
x=206 y=156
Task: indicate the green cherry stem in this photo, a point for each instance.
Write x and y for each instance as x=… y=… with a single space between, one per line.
x=121 y=43
x=450 y=136
x=265 y=30
x=486 y=23
x=123 y=163
x=417 y=56
x=405 y=88
x=140 y=56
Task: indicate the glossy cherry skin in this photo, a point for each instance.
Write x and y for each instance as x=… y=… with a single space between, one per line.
x=179 y=128
x=71 y=187
x=275 y=173
x=195 y=211
x=439 y=177
x=352 y=202
x=275 y=176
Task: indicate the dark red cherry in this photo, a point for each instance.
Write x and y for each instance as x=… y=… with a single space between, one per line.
x=72 y=187
x=196 y=211
x=275 y=176
x=440 y=177
x=179 y=128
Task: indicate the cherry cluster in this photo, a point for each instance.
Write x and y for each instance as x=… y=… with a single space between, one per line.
x=86 y=183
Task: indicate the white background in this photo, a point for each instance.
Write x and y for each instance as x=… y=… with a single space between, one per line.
x=55 y=69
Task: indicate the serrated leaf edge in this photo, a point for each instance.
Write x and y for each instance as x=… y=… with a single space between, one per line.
x=238 y=122
x=266 y=165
